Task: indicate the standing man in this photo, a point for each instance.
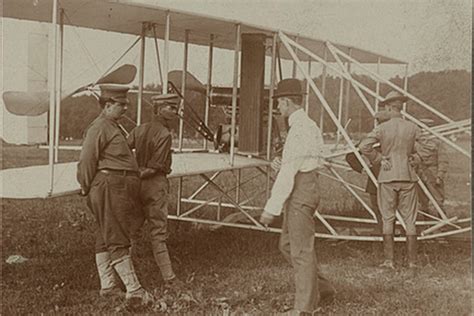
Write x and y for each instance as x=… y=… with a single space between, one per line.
x=152 y=144
x=432 y=168
x=296 y=190
x=370 y=187
x=108 y=175
x=397 y=178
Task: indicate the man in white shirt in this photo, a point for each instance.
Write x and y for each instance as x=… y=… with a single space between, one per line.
x=296 y=189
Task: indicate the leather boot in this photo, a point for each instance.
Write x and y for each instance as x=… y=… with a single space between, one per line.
x=411 y=253
x=162 y=258
x=388 y=252
x=135 y=293
x=108 y=282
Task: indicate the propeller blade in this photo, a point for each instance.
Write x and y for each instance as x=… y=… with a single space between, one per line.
x=192 y=83
x=37 y=103
x=26 y=103
x=125 y=74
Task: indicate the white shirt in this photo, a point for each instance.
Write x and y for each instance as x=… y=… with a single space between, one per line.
x=303 y=151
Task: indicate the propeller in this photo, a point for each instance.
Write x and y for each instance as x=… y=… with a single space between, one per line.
x=26 y=103
x=36 y=103
x=192 y=83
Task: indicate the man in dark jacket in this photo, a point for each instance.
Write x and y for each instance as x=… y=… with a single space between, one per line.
x=152 y=144
x=108 y=175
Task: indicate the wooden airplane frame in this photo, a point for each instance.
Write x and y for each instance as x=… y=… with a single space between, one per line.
x=338 y=58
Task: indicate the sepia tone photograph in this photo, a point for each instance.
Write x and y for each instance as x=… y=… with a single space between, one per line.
x=236 y=157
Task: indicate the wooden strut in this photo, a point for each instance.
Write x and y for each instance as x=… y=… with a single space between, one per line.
x=439 y=210
x=204 y=185
x=411 y=118
x=52 y=99
x=367 y=208
x=318 y=235
x=141 y=73
x=157 y=51
x=438 y=226
x=441 y=223
x=366 y=102
x=392 y=85
x=59 y=84
x=372 y=93
x=230 y=199
x=209 y=85
x=284 y=39
x=183 y=91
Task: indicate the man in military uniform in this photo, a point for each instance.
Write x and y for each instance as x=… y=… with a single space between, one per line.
x=108 y=176
x=432 y=168
x=397 y=178
x=296 y=189
x=381 y=117
x=152 y=144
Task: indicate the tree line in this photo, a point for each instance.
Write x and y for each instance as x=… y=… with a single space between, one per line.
x=447 y=91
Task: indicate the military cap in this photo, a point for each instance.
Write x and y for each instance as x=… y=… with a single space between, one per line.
x=115 y=92
x=288 y=88
x=393 y=96
x=164 y=99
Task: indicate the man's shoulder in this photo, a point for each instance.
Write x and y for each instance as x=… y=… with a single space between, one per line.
x=141 y=127
x=100 y=123
x=160 y=127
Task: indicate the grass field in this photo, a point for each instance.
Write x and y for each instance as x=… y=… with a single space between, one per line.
x=227 y=270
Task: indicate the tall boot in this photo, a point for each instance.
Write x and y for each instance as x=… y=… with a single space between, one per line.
x=162 y=258
x=388 y=252
x=411 y=253
x=108 y=282
x=135 y=292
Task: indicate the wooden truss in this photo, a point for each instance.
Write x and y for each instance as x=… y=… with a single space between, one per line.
x=247 y=212
x=338 y=60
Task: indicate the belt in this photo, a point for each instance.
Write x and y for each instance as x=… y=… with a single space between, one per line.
x=124 y=173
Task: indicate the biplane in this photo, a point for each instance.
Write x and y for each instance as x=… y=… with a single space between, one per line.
x=254 y=49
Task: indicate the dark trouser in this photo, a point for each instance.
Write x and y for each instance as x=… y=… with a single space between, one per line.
x=154 y=195
x=113 y=200
x=297 y=241
x=398 y=195
x=436 y=190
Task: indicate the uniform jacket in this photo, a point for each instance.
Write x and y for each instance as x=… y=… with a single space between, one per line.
x=397 y=140
x=104 y=147
x=433 y=156
x=152 y=143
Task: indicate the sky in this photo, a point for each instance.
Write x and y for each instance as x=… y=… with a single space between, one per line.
x=432 y=35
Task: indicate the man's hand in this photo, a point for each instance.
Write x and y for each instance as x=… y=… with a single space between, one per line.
x=83 y=192
x=414 y=160
x=386 y=164
x=276 y=164
x=266 y=218
x=146 y=172
x=439 y=180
